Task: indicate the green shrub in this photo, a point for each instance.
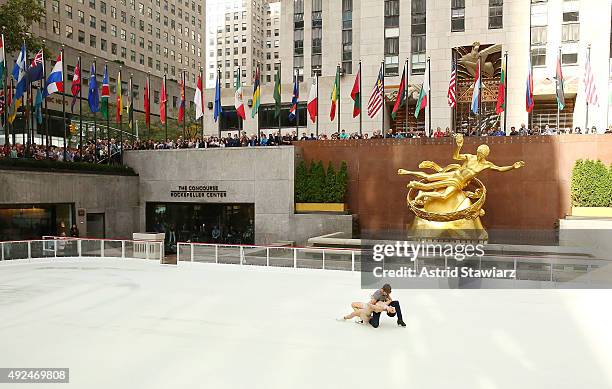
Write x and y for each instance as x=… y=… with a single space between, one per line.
x=314 y=184
x=591 y=184
x=79 y=167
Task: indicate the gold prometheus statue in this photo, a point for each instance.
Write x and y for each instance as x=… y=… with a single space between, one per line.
x=449 y=202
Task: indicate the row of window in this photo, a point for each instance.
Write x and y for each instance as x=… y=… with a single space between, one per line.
x=570 y=32
x=496 y=15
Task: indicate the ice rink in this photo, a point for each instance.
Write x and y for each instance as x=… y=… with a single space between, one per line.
x=136 y=324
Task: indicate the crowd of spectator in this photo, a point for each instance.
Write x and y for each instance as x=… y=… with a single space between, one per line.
x=99 y=151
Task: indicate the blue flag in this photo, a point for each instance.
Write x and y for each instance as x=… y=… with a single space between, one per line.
x=294 y=100
x=93 y=97
x=218 y=109
x=19 y=73
x=38 y=106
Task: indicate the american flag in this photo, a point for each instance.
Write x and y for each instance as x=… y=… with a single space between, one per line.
x=376 y=100
x=452 y=85
x=589 y=85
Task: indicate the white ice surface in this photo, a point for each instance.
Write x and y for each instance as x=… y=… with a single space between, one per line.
x=135 y=324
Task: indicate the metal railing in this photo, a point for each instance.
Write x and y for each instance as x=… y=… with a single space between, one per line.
x=58 y=247
x=279 y=256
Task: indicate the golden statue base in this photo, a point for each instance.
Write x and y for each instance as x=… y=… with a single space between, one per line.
x=462 y=229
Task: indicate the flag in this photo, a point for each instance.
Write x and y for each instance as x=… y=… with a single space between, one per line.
x=452 y=87
x=55 y=81
x=147 y=102
x=38 y=106
x=2 y=102
x=501 y=92
x=218 y=110
x=376 y=99
x=294 y=99
x=129 y=108
x=105 y=95
x=238 y=98
x=559 y=85
x=162 y=103
x=12 y=104
x=35 y=71
x=277 y=93
x=589 y=85
x=313 y=100
x=256 y=94
x=119 y=100
x=356 y=94
x=335 y=94
x=93 y=98
x=76 y=84
x=181 y=113
x=423 y=94
x=400 y=100
x=529 y=103
x=197 y=99
x=476 y=91
x=19 y=74
x=2 y=61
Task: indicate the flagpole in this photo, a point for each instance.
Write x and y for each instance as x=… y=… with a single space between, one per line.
x=108 y=136
x=317 y=117
x=506 y=93
x=382 y=92
x=558 y=108
x=25 y=103
x=456 y=91
x=120 y=108
x=258 y=125
x=360 y=103
x=429 y=94
x=479 y=96
x=64 y=100
x=80 y=107
x=4 y=90
x=280 y=88
x=201 y=99
x=43 y=86
x=165 y=109
x=95 y=124
x=182 y=100
x=218 y=86
x=586 y=124
x=338 y=96
x=297 y=105
x=131 y=111
x=46 y=142
x=148 y=97
x=240 y=126
x=406 y=93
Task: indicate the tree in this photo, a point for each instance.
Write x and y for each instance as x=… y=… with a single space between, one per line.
x=342 y=182
x=330 y=184
x=301 y=182
x=16 y=17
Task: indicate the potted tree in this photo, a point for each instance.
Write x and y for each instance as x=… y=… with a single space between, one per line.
x=319 y=190
x=591 y=189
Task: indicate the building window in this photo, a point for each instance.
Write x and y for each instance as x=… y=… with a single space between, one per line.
x=55 y=6
x=347 y=36
x=92 y=41
x=69 y=32
x=496 y=14
x=570 y=29
x=56 y=27
x=92 y=21
x=317 y=37
x=81 y=17
x=457 y=15
x=418 y=49
x=391 y=56
x=103 y=44
x=81 y=36
x=391 y=13
x=68 y=10
x=539 y=21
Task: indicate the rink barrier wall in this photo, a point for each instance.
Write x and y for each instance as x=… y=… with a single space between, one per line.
x=58 y=247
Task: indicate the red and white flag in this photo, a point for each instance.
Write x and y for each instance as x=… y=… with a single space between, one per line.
x=589 y=85
x=76 y=84
x=313 y=101
x=147 y=102
x=238 y=98
x=198 y=99
x=376 y=100
x=452 y=87
x=162 y=102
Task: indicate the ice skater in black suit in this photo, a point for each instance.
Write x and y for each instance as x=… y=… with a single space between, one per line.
x=384 y=294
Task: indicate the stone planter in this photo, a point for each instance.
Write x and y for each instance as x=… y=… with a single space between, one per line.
x=320 y=207
x=592 y=211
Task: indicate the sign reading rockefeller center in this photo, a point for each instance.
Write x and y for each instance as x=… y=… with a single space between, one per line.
x=198 y=191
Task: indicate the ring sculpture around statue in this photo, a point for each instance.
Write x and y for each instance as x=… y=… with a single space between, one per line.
x=478 y=195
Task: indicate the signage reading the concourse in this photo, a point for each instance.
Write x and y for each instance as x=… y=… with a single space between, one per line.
x=198 y=191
